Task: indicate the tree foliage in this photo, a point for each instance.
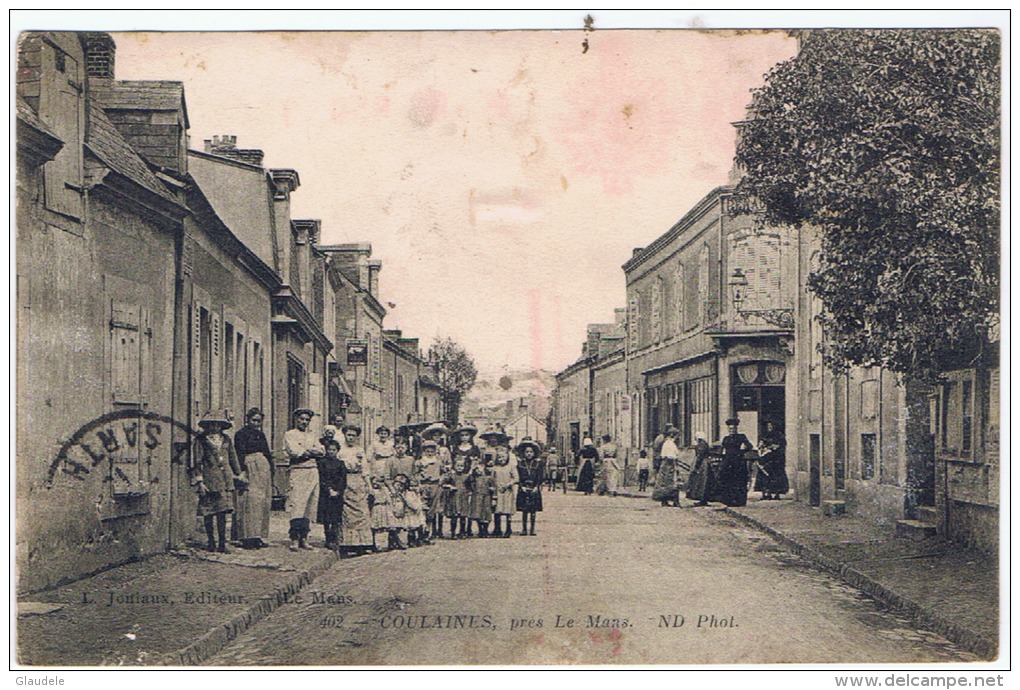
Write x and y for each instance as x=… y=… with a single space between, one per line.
x=455 y=373
x=887 y=143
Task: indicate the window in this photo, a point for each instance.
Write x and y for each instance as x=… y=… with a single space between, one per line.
x=869 y=399
x=868 y=445
x=967 y=415
x=704 y=289
x=656 y=309
x=678 y=297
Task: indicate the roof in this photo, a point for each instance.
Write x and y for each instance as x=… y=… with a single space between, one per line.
x=241 y=197
x=141 y=95
x=107 y=144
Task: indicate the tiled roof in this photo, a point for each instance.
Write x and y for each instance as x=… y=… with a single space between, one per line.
x=141 y=95
x=29 y=116
x=108 y=145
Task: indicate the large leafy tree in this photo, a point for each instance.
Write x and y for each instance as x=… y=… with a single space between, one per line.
x=455 y=372
x=887 y=142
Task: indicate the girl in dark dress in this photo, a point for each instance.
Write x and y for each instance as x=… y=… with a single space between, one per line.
x=466 y=451
x=530 y=474
x=733 y=476
x=332 y=484
x=588 y=456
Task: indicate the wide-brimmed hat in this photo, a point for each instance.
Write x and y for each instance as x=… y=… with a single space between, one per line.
x=495 y=434
x=303 y=410
x=350 y=427
x=433 y=429
x=468 y=428
x=217 y=417
x=732 y=421
x=429 y=444
x=524 y=444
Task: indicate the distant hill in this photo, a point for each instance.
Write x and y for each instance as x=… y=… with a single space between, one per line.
x=494 y=387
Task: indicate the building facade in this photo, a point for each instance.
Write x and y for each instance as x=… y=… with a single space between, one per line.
x=99 y=234
x=697 y=351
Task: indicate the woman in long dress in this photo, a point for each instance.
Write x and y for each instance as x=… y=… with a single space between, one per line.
x=771 y=480
x=701 y=483
x=356 y=522
x=733 y=475
x=588 y=456
x=254 y=496
x=667 y=481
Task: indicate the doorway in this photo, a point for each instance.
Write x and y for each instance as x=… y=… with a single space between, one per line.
x=759 y=397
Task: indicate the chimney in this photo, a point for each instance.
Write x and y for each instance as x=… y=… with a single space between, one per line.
x=637 y=250
x=100 y=51
x=620 y=316
x=374 y=266
x=226 y=145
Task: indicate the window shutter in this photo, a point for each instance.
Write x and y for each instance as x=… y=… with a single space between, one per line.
x=215 y=396
x=197 y=403
x=125 y=366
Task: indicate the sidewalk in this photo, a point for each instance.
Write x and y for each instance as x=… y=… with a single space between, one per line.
x=942 y=586
x=174 y=609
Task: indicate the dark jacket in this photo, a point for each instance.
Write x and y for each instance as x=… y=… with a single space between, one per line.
x=214 y=469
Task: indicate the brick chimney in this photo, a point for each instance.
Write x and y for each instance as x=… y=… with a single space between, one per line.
x=226 y=145
x=374 y=266
x=100 y=53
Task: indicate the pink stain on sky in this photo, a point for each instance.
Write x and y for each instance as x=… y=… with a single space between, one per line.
x=502 y=177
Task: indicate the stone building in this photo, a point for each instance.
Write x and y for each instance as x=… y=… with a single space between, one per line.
x=359 y=331
x=98 y=233
x=400 y=376
x=710 y=324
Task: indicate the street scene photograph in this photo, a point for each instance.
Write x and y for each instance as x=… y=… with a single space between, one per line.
x=589 y=346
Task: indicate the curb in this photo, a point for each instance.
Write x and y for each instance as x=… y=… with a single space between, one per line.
x=212 y=642
x=931 y=620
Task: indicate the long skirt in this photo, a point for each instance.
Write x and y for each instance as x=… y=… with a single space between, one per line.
x=448 y=502
x=667 y=487
x=771 y=477
x=732 y=482
x=505 y=501
x=356 y=525
x=303 y=497
x=613 y=478
x=586 y=477
x=252 y=504
x=701 y=483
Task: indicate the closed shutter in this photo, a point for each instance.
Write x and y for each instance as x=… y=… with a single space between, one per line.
x=125 y=365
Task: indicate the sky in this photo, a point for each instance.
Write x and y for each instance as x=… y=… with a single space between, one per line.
x=502 y=177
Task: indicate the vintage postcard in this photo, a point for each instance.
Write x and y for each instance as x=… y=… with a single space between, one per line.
x=595 y=345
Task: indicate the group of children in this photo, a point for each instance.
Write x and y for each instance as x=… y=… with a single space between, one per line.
x=415 y=483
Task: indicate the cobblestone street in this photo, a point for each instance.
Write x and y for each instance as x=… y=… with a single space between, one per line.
x=640 y=583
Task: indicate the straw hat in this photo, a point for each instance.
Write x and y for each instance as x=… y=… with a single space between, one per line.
x=468 y=428
x=217 y=417
x=432 y=429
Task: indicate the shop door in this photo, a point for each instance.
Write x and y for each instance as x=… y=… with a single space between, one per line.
x=759 y=397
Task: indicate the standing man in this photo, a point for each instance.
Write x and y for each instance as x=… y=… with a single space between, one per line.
x=303 y=449
x=657 y=446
